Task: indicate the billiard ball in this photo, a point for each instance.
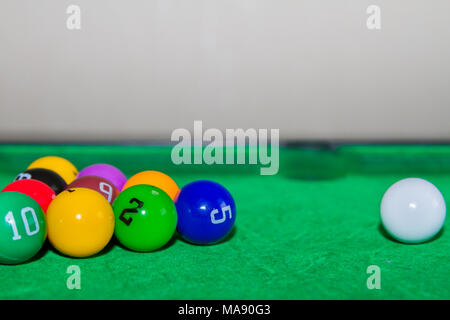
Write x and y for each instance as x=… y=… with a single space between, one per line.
x=36 y=189
x=22 y=227
x=412 y=210
x=50 y=178
x=80 y=222
x=146 y=218
x=106 y=171
x=61 y=166
x=101 y=185
x=206 y=212
x=154 y=178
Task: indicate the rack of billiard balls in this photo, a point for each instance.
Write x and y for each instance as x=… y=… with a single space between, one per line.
x=80 y=212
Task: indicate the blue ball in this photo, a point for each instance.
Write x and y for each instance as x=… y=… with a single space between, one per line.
x=206 y=212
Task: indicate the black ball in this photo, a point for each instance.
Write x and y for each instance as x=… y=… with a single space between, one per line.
x=50 y=178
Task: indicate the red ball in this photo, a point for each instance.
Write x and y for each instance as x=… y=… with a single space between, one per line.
x=35 y=189
x=99 y=184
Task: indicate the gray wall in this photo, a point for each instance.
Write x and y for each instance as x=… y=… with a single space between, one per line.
x=139 y=69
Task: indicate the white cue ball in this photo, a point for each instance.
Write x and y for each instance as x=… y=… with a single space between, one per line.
x=412 y=210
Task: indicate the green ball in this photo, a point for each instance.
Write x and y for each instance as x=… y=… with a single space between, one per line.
x=145 y=218
x=23 y=227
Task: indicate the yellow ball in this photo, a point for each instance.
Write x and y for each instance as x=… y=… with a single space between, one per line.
x=61 y=166
x=80 y=222
x=156 y=179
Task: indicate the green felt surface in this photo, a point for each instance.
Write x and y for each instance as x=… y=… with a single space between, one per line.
x=309 y=232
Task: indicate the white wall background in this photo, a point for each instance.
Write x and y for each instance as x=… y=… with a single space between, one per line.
x=139 y=69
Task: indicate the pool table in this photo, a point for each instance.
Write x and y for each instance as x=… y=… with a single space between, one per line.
x=309 y=232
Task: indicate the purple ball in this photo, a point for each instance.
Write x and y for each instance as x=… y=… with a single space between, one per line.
x=106 y=171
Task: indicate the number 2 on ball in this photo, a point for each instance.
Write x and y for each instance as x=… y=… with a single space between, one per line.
x=130 y=210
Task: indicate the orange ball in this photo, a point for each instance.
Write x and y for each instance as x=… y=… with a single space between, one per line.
x=156 y=179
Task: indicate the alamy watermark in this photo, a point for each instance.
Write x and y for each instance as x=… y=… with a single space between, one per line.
x=374 y=279
x=373 y=21
x=74 y=279
x=73 y=21
x=221 y=147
